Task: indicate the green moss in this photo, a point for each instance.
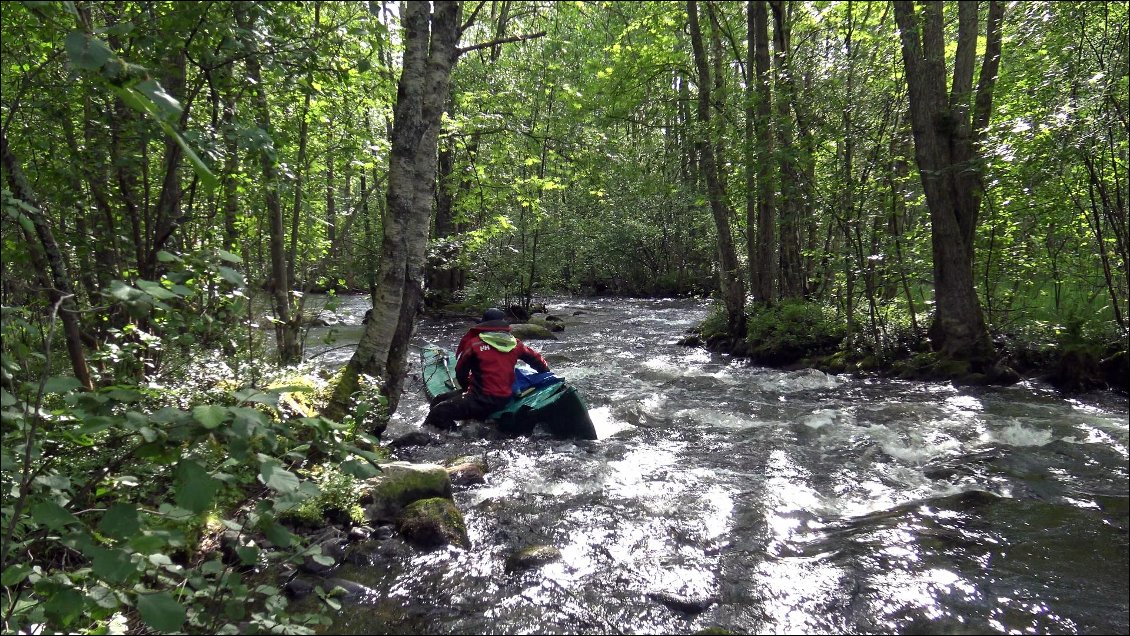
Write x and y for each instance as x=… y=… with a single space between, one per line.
x=530 y=331
x=787 y=332
x=403 y=483
x=433 y=522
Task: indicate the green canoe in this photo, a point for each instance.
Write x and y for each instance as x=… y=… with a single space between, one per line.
x=558 y=406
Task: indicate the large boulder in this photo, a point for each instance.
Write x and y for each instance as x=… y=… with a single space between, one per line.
x=531 y=557
x=531 y=331
x=467 y=471
x=400 y=484
x=432 y=523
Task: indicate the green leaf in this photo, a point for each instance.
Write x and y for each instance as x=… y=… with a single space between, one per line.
x=161 y=612
x=169 y=108
x=248 y=554
x=232 y=276
x=256 y=395
x=64 y=605
x=278 y=535
x=103 y=597
x=52 y=515
x=124 y=394
x=360 y=469
x=112 y=566
x=13 y=574
x=155 y=290
x=61 y=384
x=141 y=103
x=122 y=291
x=195 y=487
x=274 y=475
x=167 y=257
x=86 y=52
x=6 y=399
x=120 y=521
x=210 y=416
x=147 y=543
x=228 y=256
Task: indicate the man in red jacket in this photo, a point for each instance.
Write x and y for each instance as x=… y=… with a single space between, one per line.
x=485 y=360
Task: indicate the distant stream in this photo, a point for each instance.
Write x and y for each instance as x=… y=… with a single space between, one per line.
x=762 y=501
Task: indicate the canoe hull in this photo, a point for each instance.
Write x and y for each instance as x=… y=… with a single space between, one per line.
x=558 y=407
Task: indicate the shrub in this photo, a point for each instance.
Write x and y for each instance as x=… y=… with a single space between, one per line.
x=789 y=331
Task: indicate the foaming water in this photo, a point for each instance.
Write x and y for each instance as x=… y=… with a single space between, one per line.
x=754 y=500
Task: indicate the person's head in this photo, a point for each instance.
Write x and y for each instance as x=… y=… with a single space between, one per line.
x=493 y=314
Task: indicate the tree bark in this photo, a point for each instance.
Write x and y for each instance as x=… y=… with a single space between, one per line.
x=429 y=55
x=944 y=137
x=730 y=279
x=286 y=332
x=59 y=286
x=761 y=253
x=168 y=216
x=791 y=270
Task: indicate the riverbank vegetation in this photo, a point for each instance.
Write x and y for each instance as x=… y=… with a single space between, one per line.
x=929 y=189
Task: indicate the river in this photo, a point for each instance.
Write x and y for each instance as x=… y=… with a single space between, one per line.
x=729 y=496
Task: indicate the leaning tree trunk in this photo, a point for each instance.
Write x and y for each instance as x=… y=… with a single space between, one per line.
x=945 y=135
x=429 y=54
x=733 y=289
x=59 y=286
x=286 y=331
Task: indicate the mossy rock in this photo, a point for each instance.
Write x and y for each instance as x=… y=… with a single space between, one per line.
x=477 y=460
x=1078 y=370
x=531 y=331
x=432 y=523
x=467 y=474
x=532 y=557
x=400 y=484
x=1116 y=370
x=553 y=325
x=305 y=400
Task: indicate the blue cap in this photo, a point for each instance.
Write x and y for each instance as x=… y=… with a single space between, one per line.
x=493 y=314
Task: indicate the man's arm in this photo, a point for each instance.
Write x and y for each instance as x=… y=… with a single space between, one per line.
x=463 y=367
x=532 y=358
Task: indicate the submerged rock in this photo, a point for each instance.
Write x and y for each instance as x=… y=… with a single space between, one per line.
x=432 y=523
x=684 y=604
x=468 y=474
x=467 y=470
x=399 y=485
x=414 y=438
x=532 y=557
x=344 y=589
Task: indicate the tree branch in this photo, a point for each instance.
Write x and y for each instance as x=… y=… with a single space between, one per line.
x=513 y=38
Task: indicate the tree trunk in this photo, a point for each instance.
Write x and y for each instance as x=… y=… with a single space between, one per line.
x=791 y=266
x=730 y=279
x=761 y=254
x=168 y=217
x=944 y=138
x=429 y=54
x=59 y=286
x=440 y=276
x=286 y=332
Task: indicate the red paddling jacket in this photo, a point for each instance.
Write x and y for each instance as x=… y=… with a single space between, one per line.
x=487 y=355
